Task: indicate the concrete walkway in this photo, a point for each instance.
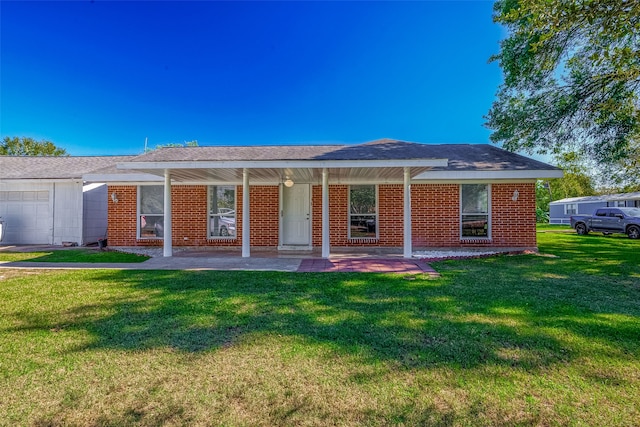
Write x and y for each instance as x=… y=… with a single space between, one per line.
x=312 y=265
x=232 y=261
x=173 y=263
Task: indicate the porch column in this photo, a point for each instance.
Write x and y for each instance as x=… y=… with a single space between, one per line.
x=325 y=213
x=168 y=246
x=407 y=213
x=246 y=232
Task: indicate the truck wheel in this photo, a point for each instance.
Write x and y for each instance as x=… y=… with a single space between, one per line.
x=633 y=232
x=581 y=229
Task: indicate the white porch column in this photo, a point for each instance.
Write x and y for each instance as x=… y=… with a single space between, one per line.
x=246 y=232
x=407 y=213
x=325 y=214
x=168 y=246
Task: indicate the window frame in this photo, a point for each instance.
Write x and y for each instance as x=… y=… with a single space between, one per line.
x=375 y=214
x=575 y=209
x=139 y=214
x=210 y=216
x=488 y=213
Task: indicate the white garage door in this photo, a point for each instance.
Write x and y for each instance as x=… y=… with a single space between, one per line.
x=27 y=217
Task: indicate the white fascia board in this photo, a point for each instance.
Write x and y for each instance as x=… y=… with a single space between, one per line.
x=508 y=174
x=122 y=177
x=281 y=164
x=38 y=180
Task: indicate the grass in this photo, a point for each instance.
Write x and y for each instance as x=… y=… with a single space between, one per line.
x=71 y=255
x=550 y=339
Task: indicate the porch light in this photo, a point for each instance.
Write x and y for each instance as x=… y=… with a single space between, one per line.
x=114 y=197
x=288 y=182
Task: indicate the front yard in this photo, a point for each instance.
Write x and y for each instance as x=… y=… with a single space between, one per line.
x=550 y=339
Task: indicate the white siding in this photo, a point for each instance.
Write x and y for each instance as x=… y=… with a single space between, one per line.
x=67 y=214
x=95 y=200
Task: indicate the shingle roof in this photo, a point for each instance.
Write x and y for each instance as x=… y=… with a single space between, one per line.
x=38 y=167
x=461 y=156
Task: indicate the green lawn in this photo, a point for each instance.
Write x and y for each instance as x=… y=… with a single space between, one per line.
x=72 y=255
x=550 y=339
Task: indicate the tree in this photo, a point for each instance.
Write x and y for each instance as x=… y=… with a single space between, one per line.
x=25 y=146
x=623 y=176
x=193 y=143
x=571 y=77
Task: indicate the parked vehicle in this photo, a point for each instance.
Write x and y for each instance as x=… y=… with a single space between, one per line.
x=224 y=222
x=608 y=221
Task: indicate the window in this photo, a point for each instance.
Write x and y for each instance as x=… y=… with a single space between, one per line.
x=474 y=210
x=618 y=204
x=151 y=211
x=222 y=211
x=571 y=209
x=602 y=212
x=363 y=217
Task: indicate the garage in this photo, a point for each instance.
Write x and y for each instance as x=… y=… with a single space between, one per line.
x=27 y=216
x=45 y=201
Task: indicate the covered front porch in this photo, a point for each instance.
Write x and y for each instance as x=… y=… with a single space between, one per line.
x=288 y=175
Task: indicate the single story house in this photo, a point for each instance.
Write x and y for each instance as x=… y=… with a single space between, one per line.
x=381 y=194
x=560 y=211
x=44 y=200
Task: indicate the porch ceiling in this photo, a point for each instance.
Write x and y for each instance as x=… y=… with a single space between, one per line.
x=296 y=174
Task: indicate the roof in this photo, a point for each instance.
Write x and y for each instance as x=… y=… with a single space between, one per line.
x=460 y=156
x=382 y=160
x=51 y=167
x=602 y=198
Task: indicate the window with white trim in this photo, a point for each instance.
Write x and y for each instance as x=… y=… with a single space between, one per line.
x=222 y=211
x=474 y=211
x=363 y=212
x=570 y=208
x=150 y=211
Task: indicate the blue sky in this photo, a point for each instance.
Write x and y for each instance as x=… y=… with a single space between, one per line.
x=99 y=77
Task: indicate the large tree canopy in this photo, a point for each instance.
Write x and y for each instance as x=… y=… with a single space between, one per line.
x=571 y=77
x=24 y=146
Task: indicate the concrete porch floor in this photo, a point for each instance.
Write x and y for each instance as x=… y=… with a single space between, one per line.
x=367 y=261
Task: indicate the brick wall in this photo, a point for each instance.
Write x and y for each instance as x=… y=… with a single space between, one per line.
x=513 y=222
x=121 y=216
x=189 y=211
x=435 y=217
x=265 y=215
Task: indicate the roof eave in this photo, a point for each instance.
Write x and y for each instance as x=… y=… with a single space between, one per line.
x=492 y=174
x=271 y=164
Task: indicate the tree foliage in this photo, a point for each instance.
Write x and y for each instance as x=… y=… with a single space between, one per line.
x=571 y=77
x=193 y=143
x=624 y=175
x=25 y=146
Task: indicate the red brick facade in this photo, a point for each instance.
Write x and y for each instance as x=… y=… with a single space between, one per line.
x=435 y=217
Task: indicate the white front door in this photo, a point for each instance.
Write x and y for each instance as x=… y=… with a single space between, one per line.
x=296 y=215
